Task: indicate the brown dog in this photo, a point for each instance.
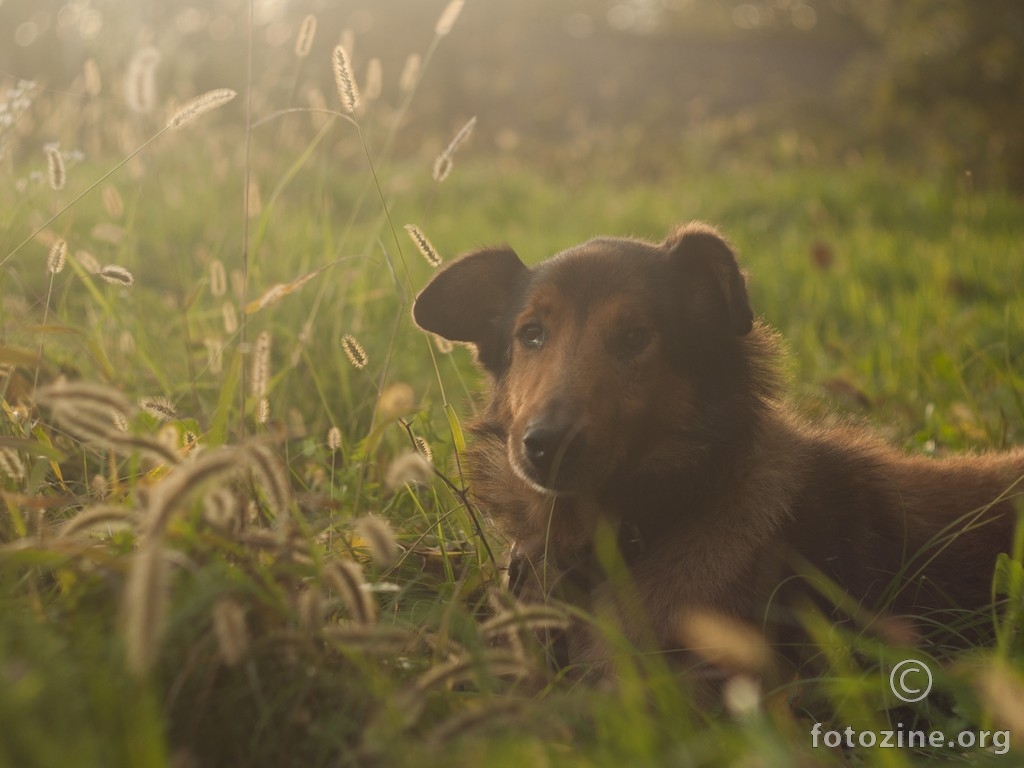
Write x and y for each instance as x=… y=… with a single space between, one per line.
x=635 y=392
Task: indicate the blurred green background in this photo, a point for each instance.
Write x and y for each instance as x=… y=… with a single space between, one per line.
x=632 y=85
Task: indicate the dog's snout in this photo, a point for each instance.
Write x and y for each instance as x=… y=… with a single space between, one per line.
x=551 y=446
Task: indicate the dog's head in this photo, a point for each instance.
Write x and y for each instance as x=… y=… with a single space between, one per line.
x=612 y=357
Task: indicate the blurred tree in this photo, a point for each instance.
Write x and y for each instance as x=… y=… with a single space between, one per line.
x=946 y=79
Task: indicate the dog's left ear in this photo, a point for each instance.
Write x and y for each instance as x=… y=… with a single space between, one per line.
x=472 y=301
x=700 y=246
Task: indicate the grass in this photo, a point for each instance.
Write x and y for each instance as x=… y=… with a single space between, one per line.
x=225 y=605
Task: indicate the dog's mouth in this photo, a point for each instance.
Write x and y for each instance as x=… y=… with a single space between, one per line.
x=550 y=458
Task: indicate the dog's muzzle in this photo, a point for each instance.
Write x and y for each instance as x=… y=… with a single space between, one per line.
x=552 y=451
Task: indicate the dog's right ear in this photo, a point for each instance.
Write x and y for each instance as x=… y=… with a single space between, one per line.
x=472 y=300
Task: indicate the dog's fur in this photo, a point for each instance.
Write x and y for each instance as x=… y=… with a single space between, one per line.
x=634 y=391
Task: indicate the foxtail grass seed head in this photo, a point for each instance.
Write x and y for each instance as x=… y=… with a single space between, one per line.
x=334 y=439
x=197 y=471
x=159 y=408
x=741 y=696
x=58 y=257
x=145 y=605
x=120 y=421
x=346 y=579
x=112 y=202
x=253 y=199
x=82 y=395
x=423 y=447
x=87 y=262
x=91 y=77
x=374 y=80
x=200 y=105
x=726 y=642
x=442 y=167
x=230 y=629
x=354 y=351
x=221 y=509
x=126 y=343
x=230 y=317
x=397 y=400
x=410 y=73
x=348 y=91
x=424 y=246
x=116 y=275
x=462 y=136
x=104 y=515
x=108 y=232
x=309 y=606
x=409 y=468
x=304 y=41
x=11 y=464
x=443 y=164
x=55 y=167
x=261 y=364
x=377 y=534
x=218 y=279
x=140 y=80
x=263 y=411
x=214 y=355
x=272 y=477
x=448 y=17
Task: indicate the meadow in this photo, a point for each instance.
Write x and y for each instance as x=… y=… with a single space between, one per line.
x=234 y=529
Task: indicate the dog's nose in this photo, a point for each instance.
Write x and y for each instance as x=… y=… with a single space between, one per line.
x=551 y=447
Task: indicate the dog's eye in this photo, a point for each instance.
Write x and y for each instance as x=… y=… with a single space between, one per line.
x=634 y=340
x=532 y=335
